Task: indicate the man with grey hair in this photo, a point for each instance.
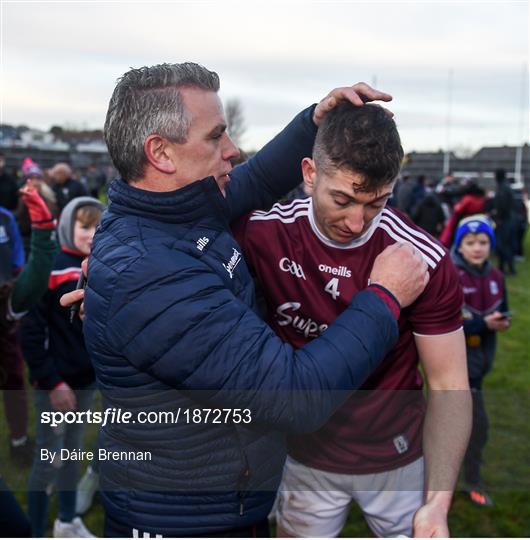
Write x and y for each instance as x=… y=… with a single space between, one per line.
x=64 y=186
x=171 y=317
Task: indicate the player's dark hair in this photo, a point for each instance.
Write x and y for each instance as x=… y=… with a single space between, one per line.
x=363 y=140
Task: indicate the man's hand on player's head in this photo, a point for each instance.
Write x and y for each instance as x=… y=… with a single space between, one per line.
x=358 y=94
x=401 y=269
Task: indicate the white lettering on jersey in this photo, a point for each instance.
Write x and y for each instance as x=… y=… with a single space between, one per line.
x=494 y=288
x=469 y=290
x=336 y=271
x=332 y=288
x=292 y=267
x=230 y=266
x=201 y=243
x=307 y=327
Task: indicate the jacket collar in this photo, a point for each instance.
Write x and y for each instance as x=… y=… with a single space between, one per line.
x=199 y=200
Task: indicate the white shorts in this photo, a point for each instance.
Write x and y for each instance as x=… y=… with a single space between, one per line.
x=313 y=503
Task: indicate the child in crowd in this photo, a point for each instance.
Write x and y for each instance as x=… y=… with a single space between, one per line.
x=62 y=373
x=17 y=295
x=485 y=313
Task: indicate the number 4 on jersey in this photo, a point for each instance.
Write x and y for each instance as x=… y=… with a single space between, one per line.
x=332 y=288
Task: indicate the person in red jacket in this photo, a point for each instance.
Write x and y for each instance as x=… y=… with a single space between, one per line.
x=473 y=202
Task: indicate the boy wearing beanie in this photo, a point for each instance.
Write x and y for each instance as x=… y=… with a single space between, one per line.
x=485 y=313
x=62 y=373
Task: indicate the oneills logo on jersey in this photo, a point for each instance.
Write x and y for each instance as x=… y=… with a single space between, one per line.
x=287 y=265
x=308 y=327
x=334 y=270
x=230 y=266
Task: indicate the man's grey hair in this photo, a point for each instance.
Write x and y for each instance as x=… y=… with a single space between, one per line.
x=147 y=101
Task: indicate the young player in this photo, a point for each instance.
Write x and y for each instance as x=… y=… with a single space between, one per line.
x=310 y=257
x=485 y=313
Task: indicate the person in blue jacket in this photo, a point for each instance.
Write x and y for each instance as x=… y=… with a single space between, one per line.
x=171 y=317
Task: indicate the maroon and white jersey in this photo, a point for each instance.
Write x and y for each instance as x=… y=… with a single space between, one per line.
x=308 y=280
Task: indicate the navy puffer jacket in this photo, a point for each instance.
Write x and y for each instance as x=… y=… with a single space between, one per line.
x=171 y=325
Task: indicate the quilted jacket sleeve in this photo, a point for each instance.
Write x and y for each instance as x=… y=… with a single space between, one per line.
x=186 y=329
x=274 y=170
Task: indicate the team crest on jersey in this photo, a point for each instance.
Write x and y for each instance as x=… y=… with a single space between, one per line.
x=287 y=265
x=466 y=314
x=494 y=288
x=230 y=266
x=401 y=443
x=3 y=235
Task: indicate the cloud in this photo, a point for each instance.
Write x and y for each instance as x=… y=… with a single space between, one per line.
x=61 y=60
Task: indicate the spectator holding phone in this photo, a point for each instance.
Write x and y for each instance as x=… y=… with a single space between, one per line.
x=485 y=313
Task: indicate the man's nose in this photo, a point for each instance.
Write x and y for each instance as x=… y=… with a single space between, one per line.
x=355 y=219
x=231 y=151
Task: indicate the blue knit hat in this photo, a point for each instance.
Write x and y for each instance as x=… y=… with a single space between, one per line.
x=479 y=223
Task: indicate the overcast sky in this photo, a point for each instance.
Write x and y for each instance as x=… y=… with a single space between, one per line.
x=60 y=60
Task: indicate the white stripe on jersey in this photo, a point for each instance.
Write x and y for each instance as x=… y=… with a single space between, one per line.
x=269 y=216
x=397 y=238
x=285 y=206
x=414 y=232
x=278 y=211
x=66 y=271
x=406 y=236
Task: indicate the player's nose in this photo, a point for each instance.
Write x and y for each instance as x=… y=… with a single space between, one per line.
x=354 y=220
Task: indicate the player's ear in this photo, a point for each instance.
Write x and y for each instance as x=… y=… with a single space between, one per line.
x=309 y=173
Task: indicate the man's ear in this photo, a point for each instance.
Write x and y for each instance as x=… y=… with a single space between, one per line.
x=159 y=154
x=309 y=173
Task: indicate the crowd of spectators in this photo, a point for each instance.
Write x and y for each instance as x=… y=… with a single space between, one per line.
x=438 y=207
x=34 y=272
